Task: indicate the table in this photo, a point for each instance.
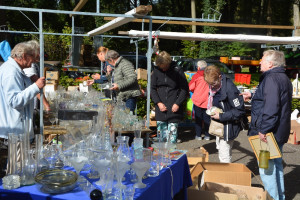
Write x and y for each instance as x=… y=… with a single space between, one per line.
x=177 y=177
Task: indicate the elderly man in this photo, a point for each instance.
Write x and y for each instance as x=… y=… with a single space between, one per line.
x=125 y=79
x=17 y=91
x=271 y=112
x=200 y=99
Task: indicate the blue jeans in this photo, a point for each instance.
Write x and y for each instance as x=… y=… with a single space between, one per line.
x=272 y=178
x=201 y=116
x=131 y=104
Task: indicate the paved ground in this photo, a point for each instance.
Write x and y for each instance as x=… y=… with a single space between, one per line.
x=242 y=153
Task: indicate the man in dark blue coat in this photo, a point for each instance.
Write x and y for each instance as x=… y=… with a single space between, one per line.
x=271 y=112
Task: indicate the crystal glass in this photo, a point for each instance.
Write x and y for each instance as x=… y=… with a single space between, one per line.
x=101 y=160
x=78 y=159
x=51 y=153
x=141 y=166
x=123 y=148
x=122 y=168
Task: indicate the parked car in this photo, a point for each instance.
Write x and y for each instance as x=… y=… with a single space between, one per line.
x=190 y=65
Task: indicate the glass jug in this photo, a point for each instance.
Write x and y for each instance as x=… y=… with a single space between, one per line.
x=123 y=151
x=264 y=157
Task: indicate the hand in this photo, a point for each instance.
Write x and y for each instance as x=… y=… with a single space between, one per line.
x=162 y=107
x=40 y=82
x=114 y=86
x=216 y=115
x=263 y=137
x=175 y=108
x=246 y=96
x=96 y=76
x=90 y=82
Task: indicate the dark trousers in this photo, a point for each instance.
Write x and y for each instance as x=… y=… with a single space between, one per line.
x=201 y=116
x=131 y=104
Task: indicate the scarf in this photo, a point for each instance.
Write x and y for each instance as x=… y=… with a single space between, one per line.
x=212 y=93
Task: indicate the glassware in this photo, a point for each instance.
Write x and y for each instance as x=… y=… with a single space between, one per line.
x=122 y=167
x=123 y=148
x=12 y=168
x=141 y=166
x=41 y=162
x=129 y=192
x=52 y=119
x=101 y=161
x=264 y=157
x=78 y=160
x=10 y=182
x=155 y=164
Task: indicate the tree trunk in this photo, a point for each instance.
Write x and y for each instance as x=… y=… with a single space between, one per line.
x=296 y=19
x=269 y=17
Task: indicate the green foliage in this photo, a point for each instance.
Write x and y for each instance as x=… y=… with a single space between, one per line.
x=190 y=49
x=65 y=81
x=295 y=104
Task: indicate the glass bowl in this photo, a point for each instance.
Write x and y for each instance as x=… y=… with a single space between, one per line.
x=56 y=181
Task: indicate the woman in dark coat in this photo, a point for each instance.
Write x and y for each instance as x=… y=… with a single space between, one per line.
x=169 y=89
x=223 y=94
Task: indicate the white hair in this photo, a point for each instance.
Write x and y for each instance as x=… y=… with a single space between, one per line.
x=276 y=57
x=201 y=64
x=30 y=48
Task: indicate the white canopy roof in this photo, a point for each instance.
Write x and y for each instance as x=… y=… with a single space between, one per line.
x=218 y=37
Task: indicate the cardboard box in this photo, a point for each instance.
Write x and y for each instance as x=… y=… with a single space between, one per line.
x=195 y=156
x=152 y=123
x=230 y=173
x=242 y=192
x=141 y=74
x=294 y=137
x=194 y=194
x=51 y=81
x=73 y=88
x=50 y=88
x=52 y=75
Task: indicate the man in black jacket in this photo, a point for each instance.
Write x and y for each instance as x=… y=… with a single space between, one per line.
x=271 y=112
x=169 y=89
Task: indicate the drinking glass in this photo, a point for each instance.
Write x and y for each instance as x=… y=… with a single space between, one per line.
x=52 y=119
x=141 y=166
x=101 y=161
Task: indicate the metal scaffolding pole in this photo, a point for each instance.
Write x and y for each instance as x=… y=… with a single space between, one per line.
x=41 y=70
x=149 y=55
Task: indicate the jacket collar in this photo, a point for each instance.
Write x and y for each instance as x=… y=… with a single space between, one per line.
x=271 y=71
x=172 y=66
x=16 y=65
x=118 y=61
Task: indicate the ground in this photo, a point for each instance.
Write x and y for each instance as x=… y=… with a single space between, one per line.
x=242 y=153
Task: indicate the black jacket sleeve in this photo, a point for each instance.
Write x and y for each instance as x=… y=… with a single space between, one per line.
x=153 y=92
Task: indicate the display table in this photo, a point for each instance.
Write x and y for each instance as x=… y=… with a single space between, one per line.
x=174 y=179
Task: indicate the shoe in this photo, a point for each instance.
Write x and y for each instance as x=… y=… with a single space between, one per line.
x=206 y=138
x=198 y=138
x=178 y=141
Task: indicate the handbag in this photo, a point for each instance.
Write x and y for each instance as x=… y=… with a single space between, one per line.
x=216 y=129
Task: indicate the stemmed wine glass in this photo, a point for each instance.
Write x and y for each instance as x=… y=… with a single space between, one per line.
x=101 y=161
x=77 y=159
x=52 y=119
x=141 y=165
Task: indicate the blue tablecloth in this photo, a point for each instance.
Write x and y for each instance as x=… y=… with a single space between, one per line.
x=177 y=177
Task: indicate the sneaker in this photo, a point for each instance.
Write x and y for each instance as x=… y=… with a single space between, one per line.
x=198 y=138
x=179 y=141
x=206 y=138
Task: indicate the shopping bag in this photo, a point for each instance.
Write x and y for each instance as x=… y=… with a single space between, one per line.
x=216 y=128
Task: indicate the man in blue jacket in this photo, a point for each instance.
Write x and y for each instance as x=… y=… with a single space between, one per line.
x=271 y=112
